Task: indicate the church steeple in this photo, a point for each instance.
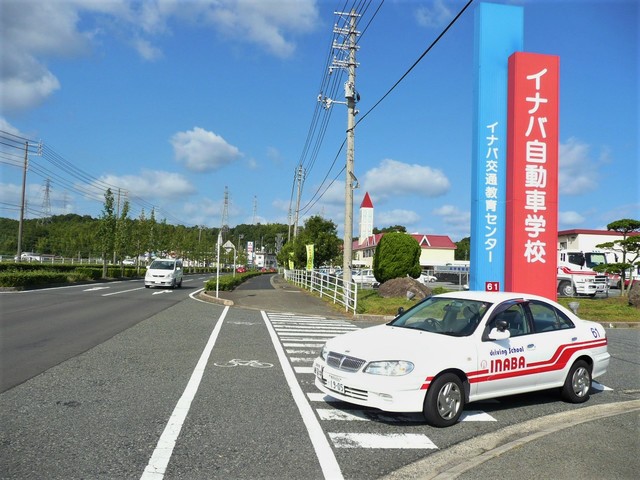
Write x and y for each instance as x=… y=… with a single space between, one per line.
x=366 y=218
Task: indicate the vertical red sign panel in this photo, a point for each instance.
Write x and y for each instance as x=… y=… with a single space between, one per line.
x=532 y=174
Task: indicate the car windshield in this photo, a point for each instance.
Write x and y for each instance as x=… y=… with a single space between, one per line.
x=448 y=316
x=162 y=265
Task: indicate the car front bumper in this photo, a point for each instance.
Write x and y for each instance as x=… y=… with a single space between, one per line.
x=390 y=394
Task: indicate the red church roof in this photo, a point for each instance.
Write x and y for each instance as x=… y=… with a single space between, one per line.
x=442 y=242
x=366 y=202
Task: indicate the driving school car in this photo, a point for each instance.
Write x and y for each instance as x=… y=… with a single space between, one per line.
x=461 y=347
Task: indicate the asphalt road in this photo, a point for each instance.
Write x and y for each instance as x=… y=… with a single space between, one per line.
x=43 y=327
x=201 y=390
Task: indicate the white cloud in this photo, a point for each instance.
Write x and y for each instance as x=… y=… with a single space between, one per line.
x=578 y=172
x=203 y=151
x=569 y=219
x=393 y=178
x=453 y=216
x=264 y=23
x=150 y=185
x=146 y=50
x=436 y=16
x=397 y=216
x=33 y=31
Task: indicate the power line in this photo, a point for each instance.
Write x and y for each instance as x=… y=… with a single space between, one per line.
x=317 y=195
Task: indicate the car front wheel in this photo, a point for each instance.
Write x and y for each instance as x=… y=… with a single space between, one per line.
x=578 y=383
x=444 y=401
x=565 y=289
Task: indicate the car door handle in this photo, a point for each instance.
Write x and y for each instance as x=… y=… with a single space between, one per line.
x=531 y=346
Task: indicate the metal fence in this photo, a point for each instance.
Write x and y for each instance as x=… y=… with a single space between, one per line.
x=329 y=286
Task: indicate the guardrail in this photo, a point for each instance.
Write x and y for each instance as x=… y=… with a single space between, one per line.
x=326 y=285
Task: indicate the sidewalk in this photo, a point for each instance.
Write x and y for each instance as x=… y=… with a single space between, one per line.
x=282 y=297
x=563 y=446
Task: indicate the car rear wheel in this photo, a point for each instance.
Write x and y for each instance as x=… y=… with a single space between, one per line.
x=578 y=383
x=444 y=401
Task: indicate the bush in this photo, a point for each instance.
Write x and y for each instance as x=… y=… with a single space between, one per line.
x=229 y=282
x=397 y=255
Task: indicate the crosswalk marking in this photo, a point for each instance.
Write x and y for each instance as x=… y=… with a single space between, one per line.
x=303 y=337
x=391 y=440
x=303 y=369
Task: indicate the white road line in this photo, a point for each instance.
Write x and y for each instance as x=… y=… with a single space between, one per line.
x=302 y=359
x=306 y=333
x=326 y=457
x=310 y=345
x=123 y=291
x=321 y=397
x=476 y=416
x=394 y=440
x=303 y=369
x=305 y=339
x=159 y=460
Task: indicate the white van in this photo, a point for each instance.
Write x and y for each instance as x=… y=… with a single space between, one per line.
x=165 y=272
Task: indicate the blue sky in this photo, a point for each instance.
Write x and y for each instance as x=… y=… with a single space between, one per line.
x=174 y=101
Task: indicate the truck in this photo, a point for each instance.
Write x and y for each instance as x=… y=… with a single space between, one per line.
x=576 y=275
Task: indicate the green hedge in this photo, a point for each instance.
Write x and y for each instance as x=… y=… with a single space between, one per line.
x=20 y=275
x=229 y=282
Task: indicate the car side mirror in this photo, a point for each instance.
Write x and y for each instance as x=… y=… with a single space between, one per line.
x=400 y=311
x=497 y=334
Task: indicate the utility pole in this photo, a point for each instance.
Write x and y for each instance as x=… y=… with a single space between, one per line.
x=350 y=94
x=255 y=209
x=348 y=47
x=24 y=188
x=224 y=224
x=300 y=179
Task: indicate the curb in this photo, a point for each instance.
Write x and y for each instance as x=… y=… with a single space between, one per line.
x=463 y=457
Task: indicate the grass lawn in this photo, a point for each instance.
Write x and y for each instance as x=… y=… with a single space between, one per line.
x=611 y=309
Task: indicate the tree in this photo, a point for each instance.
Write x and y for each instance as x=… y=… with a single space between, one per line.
x=463 y=248
x=107 y=229
x=629 y=245
x=397 y=255
x=319 y=232
x=123 y=240
x=393 y=228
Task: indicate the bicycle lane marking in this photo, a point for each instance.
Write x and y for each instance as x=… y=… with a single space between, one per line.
x=159 y=460
x=323 y=450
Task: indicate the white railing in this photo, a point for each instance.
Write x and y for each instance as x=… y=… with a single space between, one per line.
x=325 y=285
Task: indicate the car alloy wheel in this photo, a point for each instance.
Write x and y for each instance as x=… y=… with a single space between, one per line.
x=444 y=401
x=578 y=383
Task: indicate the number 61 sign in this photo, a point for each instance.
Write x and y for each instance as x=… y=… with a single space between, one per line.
x=491 y=286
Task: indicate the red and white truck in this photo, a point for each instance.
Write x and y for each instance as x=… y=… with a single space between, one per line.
x=576 y=275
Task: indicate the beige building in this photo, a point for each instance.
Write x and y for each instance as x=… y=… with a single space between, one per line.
x=436 y=249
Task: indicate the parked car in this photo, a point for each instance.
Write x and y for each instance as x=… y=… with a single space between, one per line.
x=424 y=278
x=30 y=257
x=166 y=272
x=462 y=347
x=241 y=269
x=128 y=261
x=364 y=277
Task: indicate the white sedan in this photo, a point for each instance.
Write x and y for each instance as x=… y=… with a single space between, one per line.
x=461 y=347
x=424 y=278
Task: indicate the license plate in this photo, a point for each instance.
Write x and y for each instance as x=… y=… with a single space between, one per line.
x=335 y=383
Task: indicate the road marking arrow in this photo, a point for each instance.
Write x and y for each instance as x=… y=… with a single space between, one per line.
x=162 y=291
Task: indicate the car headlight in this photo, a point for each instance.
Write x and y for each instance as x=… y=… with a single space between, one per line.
x=394 y=368
x=324 y=352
